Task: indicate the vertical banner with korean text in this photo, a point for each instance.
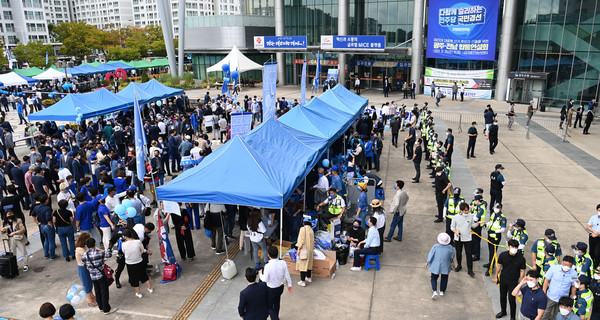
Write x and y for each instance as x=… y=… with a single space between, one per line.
x=269 y=90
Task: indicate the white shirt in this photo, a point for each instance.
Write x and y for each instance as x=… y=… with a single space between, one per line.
x=65 y=196
x=195 y=152
x=133 y=250
x=276 y=274
x=163 y=127
x=63 y=173
x=357 y=82
x=323 y=184
x=139 y=229
x=257 y=236
x=380 y=216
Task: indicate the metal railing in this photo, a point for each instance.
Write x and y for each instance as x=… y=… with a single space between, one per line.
x=537 y=125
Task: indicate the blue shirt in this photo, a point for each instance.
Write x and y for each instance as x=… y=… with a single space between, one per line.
x=372 y=240
x=336 y=183
x=440 y=258
x=594 y=222
x=83 y=214
x=558 y=250
x=533 y=300
x=570 y=316
x=560 y=282
x=103 y=211
x=362 y=202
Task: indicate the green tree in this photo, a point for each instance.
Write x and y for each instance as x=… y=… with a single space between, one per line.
x=120 y=53
x=148 y=41
x=34 y=53
x=3 y=58
x=78 y=38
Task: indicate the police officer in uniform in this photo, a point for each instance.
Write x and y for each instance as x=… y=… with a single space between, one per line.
x=584 y=297
x=496 y=226
x=548 y=261
x=337 y=207
x=595 y=288
x=583 y=262
x=451 y=208
x=518 y=232
x=539 y=247
x=472 y=133
x=442 y=185
x=478 y=209
x=497 y=183
x=449 y=146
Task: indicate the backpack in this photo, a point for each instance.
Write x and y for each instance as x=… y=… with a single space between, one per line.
x=95 y=219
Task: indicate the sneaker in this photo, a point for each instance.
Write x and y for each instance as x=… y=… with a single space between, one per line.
x=302 y=283
x=220 y=252
x=68 y=259
x=397 y=239
x=309 y=280
x=387 y=239
x=150 y=290
x=434 y=295
x=355 y=269
x=112 y=310
x=139 y=295
x=25 y=268
x=214 y=248
x=441 y=293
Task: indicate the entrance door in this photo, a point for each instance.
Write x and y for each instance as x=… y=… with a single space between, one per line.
x=517 y=87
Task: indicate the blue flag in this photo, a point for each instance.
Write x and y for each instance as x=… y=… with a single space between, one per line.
x=303 y=84
x=140 y=140
x=47 y=58
x=318 y=75
x=269 y=90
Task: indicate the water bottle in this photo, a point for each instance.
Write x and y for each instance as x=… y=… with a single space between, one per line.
x=337 y=264
x=156 y=268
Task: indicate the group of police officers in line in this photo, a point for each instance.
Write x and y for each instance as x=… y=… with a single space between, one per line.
x=545 y=252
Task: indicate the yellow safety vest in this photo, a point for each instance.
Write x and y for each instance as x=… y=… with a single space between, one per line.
x=541 y=250
x=495 y=218
x=477 y=208
x=589 y=299
x=516 y=234
x=453 y=208
x=548 y=263
x=579 y=265
x=335 y=207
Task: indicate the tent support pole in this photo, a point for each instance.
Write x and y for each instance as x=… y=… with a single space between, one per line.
x=304 y=202
x=280 y=230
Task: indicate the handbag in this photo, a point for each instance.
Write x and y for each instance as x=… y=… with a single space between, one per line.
x=107 y=272
x=303 y=252
x=170 y=272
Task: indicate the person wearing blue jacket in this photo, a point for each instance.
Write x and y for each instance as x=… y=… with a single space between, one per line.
x=369 y=154
x=439 y=262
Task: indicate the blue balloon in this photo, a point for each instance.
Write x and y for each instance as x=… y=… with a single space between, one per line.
x=69 y=297
x=387 y=127
x=51 y=94
x=131 y=212
x=235 y=74
x=159 y=103
x=65 y=86
x=127 y=203
x=82 y=294
x=325 y=163
x=225 y=67
x=78 y=120
x=80 y=115
x=78 y=109
x=120 y=210
x=226 y=80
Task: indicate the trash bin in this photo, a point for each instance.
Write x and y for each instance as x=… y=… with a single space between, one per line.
x=542 y=107
x=341 y=253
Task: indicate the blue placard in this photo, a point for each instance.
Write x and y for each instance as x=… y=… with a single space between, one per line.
x=462 y=29
x=285 y=42
x=353 y=42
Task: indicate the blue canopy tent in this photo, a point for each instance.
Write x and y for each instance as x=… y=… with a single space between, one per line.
x=106 y=68
x=148 y=91
x=319 y=119
x=121 y=65
x=89 y=69
x=91 y=104
x=75 y=71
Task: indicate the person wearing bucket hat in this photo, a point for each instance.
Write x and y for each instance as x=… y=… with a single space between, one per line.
x=363 y=204
x=439 y=262
x=539 y=247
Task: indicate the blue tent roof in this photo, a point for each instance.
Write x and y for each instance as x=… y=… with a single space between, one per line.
x=148 y=91
x=121 y=65
x=106 y=67
x=75 y=71
x=263 y=167
x=91 y=104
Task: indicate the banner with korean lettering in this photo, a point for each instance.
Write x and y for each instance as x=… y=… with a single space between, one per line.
x=269 y=90
x=462 y=29
x=475 y=83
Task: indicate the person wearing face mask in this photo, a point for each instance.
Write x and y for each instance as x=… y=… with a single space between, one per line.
x=478 y=209
x=439 y=261
x=497 y=182
x=496 y=227
x=584 y=298
x=492 y=136
x=583 y=262
x=565 y=305
x=449 y=145
x=362 y=204
x=534 y=300
x=452 y=208
x=14 y=229
x=518 y=232
x=559 y=283
x=356 y=234
x=442 y=185
x=538 y=248
x=593 y=227
x=337 y=207
x=549 y=261
x=510 y=271
x=461 y=227
x=595 y=287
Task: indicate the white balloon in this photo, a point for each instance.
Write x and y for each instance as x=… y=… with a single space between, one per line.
x=75 y=300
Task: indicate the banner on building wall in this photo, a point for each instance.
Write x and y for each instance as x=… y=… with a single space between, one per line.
x=462 y=29
x=477 y=83
x=269 y=90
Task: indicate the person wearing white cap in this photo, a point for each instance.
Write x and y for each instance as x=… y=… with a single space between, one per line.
x=439 y=262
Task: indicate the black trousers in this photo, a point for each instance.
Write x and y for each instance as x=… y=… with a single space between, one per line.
x=506 y=289
x=274 y=302
x=595 y=250
x=409 y=148
x=468 y=245
x=185 y=243
x=578 y=118
x=491 y=246
x=587 y=127
x=493 y=143
x=305 y=274
x=495 y=197
x=417 y=171
x=120 y=267
x=101 y=291
x=449 y=157
x=395 y=139
x=471 y=147
x=440 y=198
x=476 y=243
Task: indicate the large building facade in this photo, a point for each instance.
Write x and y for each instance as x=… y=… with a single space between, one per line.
x=555 y=55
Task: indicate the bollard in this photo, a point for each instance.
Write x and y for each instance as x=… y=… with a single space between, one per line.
x=564 y=137
x=459 y=122
x=527 y=134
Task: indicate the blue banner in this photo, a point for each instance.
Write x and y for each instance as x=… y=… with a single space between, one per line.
x=303 y=85
x=353 y=42
x=280 y=42
x=269 y=90
x=462 y=29
x=140 y=139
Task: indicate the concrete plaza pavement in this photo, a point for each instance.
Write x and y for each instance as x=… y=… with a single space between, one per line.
x=544 y=187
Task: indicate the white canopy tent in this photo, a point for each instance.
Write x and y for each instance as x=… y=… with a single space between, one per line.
x=50 y=74
x=237 y=61
x=12 y=79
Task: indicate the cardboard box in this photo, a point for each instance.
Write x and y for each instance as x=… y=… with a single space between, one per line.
x=278 y=244
x=321 y=268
